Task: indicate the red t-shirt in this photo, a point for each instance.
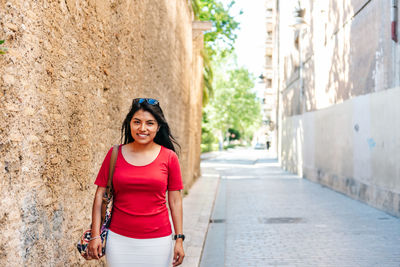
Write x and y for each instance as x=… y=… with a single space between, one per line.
x=139 y=209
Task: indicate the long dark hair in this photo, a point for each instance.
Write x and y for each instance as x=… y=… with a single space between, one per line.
x=163 y=136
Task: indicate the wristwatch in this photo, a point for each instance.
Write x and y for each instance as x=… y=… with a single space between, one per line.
x=179 y=236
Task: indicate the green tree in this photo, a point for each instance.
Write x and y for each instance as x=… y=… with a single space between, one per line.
x=235 y=134
x=207 y=136
x=234 y=105
x=222 y=37
x=218 y=41
x=231 y=104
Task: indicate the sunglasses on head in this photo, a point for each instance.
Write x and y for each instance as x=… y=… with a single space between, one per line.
x=150 y=101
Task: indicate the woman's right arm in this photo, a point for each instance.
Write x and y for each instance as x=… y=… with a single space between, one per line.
x=95 y=245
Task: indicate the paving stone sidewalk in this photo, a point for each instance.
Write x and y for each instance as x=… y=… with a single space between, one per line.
x=197 y=208
x=264 y=216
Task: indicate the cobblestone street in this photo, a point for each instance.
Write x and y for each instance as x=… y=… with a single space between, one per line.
x=264 y=216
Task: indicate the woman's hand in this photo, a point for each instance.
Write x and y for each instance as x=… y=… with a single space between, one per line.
x=178 y=253
x=175 y=205
x=94 y=249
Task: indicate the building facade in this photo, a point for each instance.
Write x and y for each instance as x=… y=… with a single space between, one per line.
x=338 y=76
x=267 y=135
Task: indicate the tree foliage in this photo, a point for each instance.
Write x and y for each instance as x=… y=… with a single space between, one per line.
x=222 y=37
x=234 y=105
x=219 y=40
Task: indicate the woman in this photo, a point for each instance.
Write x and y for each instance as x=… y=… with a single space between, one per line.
x=146 y=168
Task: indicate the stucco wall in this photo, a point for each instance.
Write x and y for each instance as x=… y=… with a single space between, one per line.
x=345 y=50
x=72 y=70
x=352 y=147
x=338 y=88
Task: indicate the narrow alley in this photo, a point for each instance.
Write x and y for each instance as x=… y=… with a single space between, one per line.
x=264 y=216
x=268 y=131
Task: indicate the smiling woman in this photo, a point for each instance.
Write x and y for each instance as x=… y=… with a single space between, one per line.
x=144 y=125
x=146 y=168
x=149 y=111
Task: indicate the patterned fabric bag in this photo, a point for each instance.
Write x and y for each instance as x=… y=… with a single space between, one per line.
x=106 y=211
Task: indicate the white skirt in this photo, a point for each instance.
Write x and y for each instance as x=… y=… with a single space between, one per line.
x=126 y=251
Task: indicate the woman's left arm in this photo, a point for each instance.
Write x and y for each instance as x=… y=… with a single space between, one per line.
x=175 y=205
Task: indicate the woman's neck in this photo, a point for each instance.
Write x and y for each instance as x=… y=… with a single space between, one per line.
x=137 y=147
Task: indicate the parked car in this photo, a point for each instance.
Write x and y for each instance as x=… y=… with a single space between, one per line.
x=260 y=146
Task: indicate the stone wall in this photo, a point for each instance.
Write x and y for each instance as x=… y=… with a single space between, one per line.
x=67 y=82
x=339 y=81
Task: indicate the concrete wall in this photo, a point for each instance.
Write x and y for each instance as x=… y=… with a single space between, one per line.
x=352 y=147
x=72 y=70
x=339 y=83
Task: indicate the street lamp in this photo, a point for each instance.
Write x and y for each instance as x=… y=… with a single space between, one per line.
x=298 y=15
x=262 y=78
x=299 y=24
x=299 y=21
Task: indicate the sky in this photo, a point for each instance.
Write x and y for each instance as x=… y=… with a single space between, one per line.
x=250 y=44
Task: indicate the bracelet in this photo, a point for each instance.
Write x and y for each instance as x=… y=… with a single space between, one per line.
x=92 y=238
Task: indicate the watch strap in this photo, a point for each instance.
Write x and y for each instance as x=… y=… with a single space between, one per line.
x=179 y=236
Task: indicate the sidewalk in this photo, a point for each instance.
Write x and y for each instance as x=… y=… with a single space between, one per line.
x=197 y=208
x=264 y=216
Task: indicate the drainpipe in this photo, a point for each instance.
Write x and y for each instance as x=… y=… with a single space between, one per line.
x=394 y=20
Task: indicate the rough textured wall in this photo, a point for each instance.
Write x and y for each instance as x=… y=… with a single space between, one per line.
x=195 y=115
x=66 y=84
